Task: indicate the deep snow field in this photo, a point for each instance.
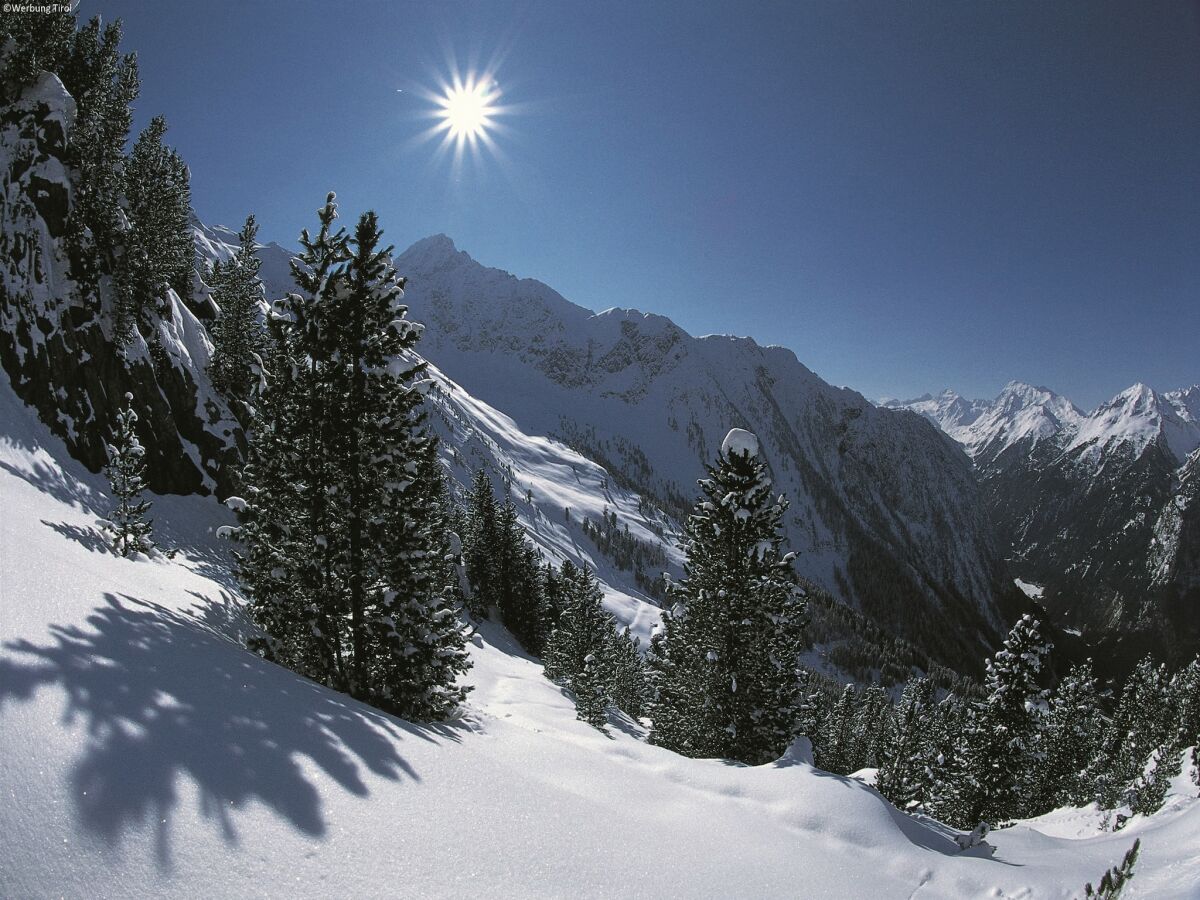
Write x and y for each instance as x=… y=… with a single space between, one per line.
x=144 y=752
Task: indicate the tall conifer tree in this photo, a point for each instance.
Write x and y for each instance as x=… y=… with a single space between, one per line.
x=345 y=522
x=237 y=334
x=733 y=635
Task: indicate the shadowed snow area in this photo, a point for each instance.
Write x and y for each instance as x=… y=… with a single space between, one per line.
x=144 y=752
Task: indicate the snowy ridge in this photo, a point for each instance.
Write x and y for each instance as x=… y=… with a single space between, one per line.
x=1138 y=416
x=652 y=404
x=169 y=756
x=545 y=480
x=217 y=243
x=950 y=411
x=986 y=429
x=1026 y=415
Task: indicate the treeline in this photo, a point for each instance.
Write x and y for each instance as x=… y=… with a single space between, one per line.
x=1020 y=750
x=630 y=554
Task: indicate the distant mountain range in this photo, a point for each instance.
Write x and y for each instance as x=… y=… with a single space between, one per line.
x=1097 y=509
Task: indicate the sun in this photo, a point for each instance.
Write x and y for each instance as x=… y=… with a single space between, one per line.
x=465 y=116
x=467 y=109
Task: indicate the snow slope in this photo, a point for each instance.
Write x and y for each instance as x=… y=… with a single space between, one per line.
x=144 y=752
x=545 y=479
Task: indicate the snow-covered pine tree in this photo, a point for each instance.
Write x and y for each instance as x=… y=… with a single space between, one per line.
x=517 y=585
x=835 y=751
x=129 y=531
x=813 y=706
x=734 y=633
x=345 y=516
x=871 y=729
x=941 y=755
x=1187 y=690
x=629 y=690
x=287 y=563
x=591 y=687
x=1000 y=738
x=1068 y=739
x=237 y=334
x=389 y=543
x=577 y=650
x=480 y=542
x=665 y=707
x=900 y=768
x=1186 y=685
x=104 y=84
x=553 y=598
x=420 y=639
x=1140 y=724
x=38 y=41
x=160 y=204
x=1181 y=705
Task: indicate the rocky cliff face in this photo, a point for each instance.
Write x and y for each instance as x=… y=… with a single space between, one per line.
x=56 y=345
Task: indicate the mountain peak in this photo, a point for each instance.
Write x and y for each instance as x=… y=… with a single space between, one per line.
x=436 y=245
x=1137 y=393
x=1025 y=390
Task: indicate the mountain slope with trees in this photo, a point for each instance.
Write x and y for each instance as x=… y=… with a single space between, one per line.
x=1096 y=509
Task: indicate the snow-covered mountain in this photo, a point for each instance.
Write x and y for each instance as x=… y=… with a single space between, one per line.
x=1096 y=508
x=1021 y=414
x=885 y=511
x=951 y=412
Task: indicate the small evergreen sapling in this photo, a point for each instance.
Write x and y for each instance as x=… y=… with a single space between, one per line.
x=128 y=529
x=1114 y=880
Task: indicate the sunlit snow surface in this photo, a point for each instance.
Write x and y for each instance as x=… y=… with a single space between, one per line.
x=143 y=752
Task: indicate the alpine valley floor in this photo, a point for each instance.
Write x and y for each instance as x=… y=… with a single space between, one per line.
x=144 y=752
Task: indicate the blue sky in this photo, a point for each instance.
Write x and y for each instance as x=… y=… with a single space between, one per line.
x=909 y=195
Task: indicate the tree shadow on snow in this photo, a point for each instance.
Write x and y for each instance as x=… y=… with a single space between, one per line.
x=166 y=694
x=91 y=538
x=59 y=485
